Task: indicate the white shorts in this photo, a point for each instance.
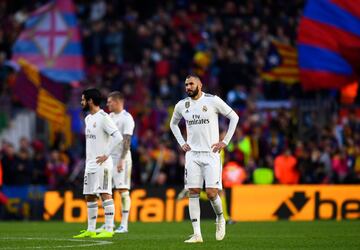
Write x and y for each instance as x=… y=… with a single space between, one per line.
x=122 y=180
x=200 y=167
x=98 y=182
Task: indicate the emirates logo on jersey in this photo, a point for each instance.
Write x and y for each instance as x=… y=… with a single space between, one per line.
x=204 y=109
x=197 y=120
x=94 y=125
x=89 y=135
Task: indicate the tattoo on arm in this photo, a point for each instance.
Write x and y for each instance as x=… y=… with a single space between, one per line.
x=126 y=145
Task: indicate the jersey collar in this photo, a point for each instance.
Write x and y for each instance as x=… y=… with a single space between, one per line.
x=97 y=112
x=202 y=95
x=122 y=111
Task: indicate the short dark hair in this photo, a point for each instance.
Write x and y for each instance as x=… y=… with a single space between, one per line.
x=116 y=95
x=93 y=94
x=192 y=75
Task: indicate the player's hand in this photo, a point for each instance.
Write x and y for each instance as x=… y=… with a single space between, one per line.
x=218 y=146
x=100 y=159
x=186 y=147
x=120 y=166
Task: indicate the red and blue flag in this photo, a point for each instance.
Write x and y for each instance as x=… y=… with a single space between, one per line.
x=329 y=44
x=51 y=41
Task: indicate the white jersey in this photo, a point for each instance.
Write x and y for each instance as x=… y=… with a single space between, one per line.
x=98 y=129
x=202 y=120
x=125 y=123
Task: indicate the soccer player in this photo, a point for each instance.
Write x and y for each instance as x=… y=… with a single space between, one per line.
x=121 y=155
x=202 y=147
x=102 y=137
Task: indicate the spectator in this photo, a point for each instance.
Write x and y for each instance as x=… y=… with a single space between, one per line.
x=56 y=170
x=285 y=168
x=23 y=168
x=25 y=146
x=9 y=161
x=339 y=166
x=39 y=168
x=233 y=174
x=237 y=97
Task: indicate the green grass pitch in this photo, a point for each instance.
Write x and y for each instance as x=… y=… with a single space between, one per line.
x=243 y=235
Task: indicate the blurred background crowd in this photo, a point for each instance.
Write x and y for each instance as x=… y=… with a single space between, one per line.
x=145 y=49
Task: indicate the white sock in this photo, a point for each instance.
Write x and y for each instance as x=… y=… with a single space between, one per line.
x=126 y=204
x=217 y=206
x=92 y=208
x=109 y=214
x=194 y=211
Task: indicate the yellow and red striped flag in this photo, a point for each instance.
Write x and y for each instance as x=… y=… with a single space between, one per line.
x=281 y=64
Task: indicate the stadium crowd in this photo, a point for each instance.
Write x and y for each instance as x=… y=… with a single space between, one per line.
x=145 y=49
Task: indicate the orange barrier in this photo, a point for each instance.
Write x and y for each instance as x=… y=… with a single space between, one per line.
x=295 y=202
x=247 y=203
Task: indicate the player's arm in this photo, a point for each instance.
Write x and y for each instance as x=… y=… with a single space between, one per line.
x=174 y=126
x=228 y=112
x=126 y=147
x=128 y=130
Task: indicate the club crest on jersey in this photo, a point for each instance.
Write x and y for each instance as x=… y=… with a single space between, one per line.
x=94 y=125
x=187 y=105
x=204 y=109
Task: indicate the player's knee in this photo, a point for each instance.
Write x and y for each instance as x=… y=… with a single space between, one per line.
x=211 y=194
x=90 y=198
x=105 y=197
x=194 y=191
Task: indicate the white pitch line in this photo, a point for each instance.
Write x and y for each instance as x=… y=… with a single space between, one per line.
x=89 y=243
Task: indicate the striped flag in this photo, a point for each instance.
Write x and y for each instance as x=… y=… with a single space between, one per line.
x=51 y=41
x=38 y=93
x=50 y=108
x=281 y=64
x=44 y=96
x=329 y=44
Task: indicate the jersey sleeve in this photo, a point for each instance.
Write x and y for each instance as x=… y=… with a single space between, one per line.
x=175 y=119
x=108 y=125
x=222 y=107
x=86 y=121
x=177 y=116
x=129 y=125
